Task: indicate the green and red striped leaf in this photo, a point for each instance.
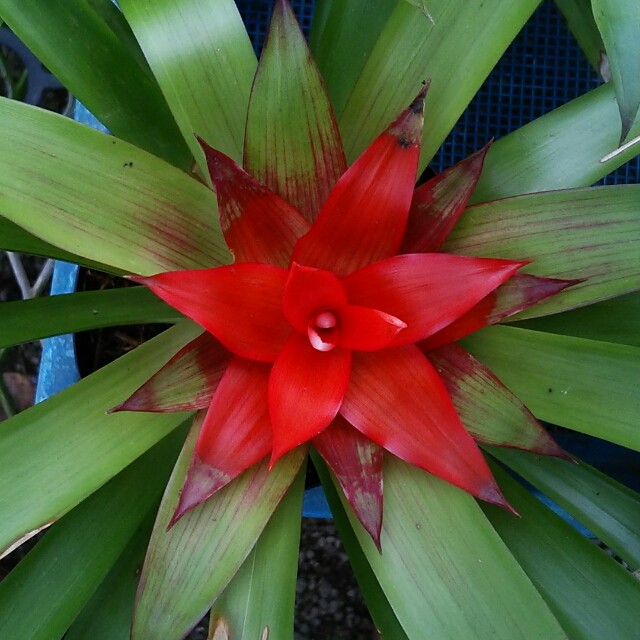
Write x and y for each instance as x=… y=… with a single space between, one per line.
x=177 y=584
x=487 y=409
x=258 y=225
x=567 y=381
x=96 y=196
x=186 y=382
x=591 y=234
x=292 y=142
x=438 y=204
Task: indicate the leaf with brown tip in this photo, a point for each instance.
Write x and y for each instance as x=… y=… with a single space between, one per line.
x=364 y=217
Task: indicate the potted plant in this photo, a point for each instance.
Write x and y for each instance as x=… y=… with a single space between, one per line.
x=341 y=308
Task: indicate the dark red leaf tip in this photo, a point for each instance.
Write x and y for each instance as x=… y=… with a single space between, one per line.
x=117 y=408
x=221 y=167
x=491 y=493
x=476 y=160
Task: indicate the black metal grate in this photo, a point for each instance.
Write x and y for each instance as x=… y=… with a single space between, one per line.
x=542 y=69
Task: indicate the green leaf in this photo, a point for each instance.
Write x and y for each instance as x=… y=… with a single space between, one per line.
x=413 y=48
x=377 y=603
x=292 y=143
x=619 y=24
x=444 y=569
x=42 y=596
x=189 y=566
x=591 y=233
x=343 y=34
x=591 y=595
x=108 y=613
x=559 y=150
x=115 y=20
x=15 y=238
x=70 y=446
x=613 y=320
x=568 y=381
x=43 y=317
x=262 y=594
x=607 y=508
x=94 y=195
x=84 y=52
x=202 y=58
x=579 y=17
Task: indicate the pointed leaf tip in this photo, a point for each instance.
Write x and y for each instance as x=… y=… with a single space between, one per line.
x=491 y=493
x=407 y=128
x=283 y=6
x=438 y=204
x=488 y=410
x=136 y=278
x=258 y=225
x=202 y=481
x=220 y=165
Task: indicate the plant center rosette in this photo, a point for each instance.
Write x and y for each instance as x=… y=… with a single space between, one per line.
x=337 y=323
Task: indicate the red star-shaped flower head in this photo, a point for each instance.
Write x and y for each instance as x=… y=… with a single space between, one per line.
x=322 y=329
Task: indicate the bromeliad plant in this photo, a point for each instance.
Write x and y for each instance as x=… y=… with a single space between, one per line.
x=337 y=310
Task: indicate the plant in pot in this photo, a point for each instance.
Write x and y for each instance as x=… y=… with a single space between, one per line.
x=321 y=305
